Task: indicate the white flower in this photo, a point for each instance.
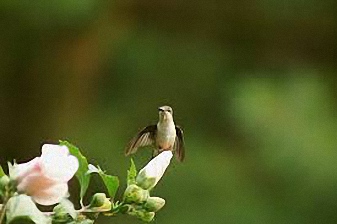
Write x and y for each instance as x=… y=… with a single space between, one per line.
x=45 y=178
x=149 y=176
x=23 y=206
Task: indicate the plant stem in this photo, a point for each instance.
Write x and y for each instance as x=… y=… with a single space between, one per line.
x=4 y=206
x=82 y=210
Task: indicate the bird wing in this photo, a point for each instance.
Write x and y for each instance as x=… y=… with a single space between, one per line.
x=179 y=144
x=144 y=138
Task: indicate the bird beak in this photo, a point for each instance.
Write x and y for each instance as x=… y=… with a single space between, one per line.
x=165 y=115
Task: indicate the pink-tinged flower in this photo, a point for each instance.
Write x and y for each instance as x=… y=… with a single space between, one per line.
x=149 y=176
x=46 y=178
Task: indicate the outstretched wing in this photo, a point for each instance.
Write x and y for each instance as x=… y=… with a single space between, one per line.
x=143 y=138
x=179 y=144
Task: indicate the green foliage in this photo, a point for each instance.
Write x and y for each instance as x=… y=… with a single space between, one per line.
x=110 y=182
x=132 y=173
x=82 y=172
x=2 y=173
x=4 y=181
x=137 y=198
x=20 y=208
x=256 y=120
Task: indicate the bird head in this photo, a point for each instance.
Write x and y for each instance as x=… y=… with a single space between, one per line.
x=165 y=113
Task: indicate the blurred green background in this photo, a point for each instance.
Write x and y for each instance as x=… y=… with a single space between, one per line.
x=253 y=84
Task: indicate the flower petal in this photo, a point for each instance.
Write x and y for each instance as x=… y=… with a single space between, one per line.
x=149 y=176
x=21 y=170
x=51 y=195
x=157 y=166
x=34 y=182
x=50 y=150
x=57 y=163
x=45 y=178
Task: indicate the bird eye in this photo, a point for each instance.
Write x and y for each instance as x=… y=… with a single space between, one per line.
x=160 y=109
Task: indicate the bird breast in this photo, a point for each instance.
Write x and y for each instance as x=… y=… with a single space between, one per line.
x=166 y=134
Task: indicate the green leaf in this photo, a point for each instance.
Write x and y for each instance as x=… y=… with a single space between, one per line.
x=132 y=173
x=22 y=207
x=82 y=173
x=2 y=173
x=110 y=182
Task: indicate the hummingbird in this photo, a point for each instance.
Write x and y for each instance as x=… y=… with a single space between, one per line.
x=165 y=135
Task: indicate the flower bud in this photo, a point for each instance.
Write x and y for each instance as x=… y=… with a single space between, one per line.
x=99 y=200
x=145 y=216
x=145 y=182
x=153 y=204
x=60 y=213
x=135 y=194
x=136 y=210
x=149 y=176
x=125 y=208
